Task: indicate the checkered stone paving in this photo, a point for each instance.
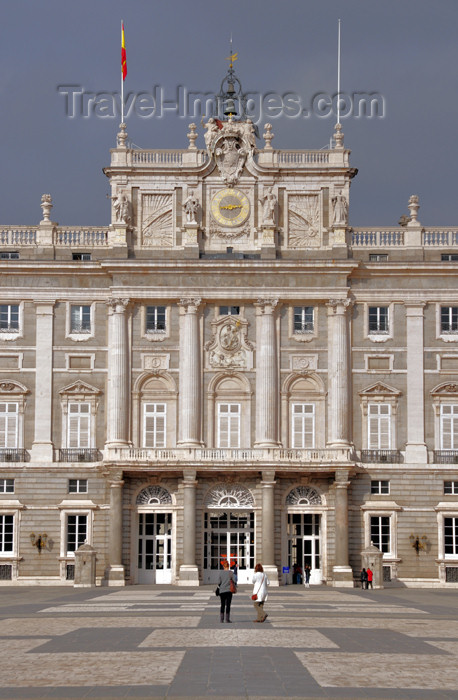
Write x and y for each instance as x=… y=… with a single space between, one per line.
x=163 y=642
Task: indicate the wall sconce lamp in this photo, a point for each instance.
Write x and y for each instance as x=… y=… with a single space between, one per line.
x=39 y=541
x=418 y=543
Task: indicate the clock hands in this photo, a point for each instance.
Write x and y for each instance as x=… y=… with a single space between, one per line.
x=231 y=206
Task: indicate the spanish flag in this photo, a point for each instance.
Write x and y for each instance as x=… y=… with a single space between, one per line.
x=123 y=53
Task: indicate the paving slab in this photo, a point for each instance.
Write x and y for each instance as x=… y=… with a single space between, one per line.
x=157 y=642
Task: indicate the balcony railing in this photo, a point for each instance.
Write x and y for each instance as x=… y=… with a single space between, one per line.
x=77 y=454
x=229 y=456
x=445 y=456
x=13 y=454
x=381 y=456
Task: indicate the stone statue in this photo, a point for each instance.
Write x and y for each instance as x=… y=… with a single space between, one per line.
x=191 y=206
x=123 y=208
x=269 y=202
x=340 y=204
x=211 y=129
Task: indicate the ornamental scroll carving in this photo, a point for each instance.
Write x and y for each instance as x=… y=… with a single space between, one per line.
x=303 y=496
x=229 y=346
x=154 y=496
x=157 y=220
x=229 y=496
x=304 y=221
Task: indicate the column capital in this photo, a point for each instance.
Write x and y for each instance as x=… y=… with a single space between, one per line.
x=268 y=478
x=190 y=305
x=414 y=308
x=266 y=306
x=189 y=477
x=341 y=479
x=338 y=306
x=117 y=305
x=44 y=307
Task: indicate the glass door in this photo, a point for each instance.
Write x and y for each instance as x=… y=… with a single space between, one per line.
x=228 y=536
x=154 y=547
x=304 y=543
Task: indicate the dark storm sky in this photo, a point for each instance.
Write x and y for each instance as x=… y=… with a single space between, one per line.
x=404 y=50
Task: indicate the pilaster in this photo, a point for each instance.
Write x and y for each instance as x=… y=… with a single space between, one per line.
x=42 y=447
x=268 y=526
x=266 y=374
x=114 y=573
x=190 y=403
x=343 y=574
x=416 y=451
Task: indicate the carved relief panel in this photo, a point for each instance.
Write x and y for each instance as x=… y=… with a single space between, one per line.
x=157 y=220
x=229 y=346
x=304 y=221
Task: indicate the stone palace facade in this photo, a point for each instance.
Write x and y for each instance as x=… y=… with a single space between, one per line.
x=228 y=370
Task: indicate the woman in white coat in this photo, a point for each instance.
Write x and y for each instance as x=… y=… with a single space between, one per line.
x=260 y=583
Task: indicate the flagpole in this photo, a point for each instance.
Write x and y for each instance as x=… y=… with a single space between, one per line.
x=122 y=77
x=338 y=72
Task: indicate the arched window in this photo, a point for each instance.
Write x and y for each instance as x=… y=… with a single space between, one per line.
x=303 y=412
x=303 y=496
x=154 y=496
x=154 y=411
x=229 y=414
x=229 y=496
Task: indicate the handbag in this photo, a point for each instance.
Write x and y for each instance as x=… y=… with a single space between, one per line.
x=255 y=595
x=233 y=587
x=217 y=591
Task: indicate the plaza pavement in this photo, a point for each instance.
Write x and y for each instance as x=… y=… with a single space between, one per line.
x=167 y=642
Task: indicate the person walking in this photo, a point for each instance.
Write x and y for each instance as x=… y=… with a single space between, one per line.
x=224 y=584
x=363 y=579
x=370 y=576
x=260 y=583
x=307 y=576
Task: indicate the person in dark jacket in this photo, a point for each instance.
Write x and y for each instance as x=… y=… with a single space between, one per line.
x=363 y=578
x=224 y=583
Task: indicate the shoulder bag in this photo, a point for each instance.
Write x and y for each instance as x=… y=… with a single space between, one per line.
x=255 y=595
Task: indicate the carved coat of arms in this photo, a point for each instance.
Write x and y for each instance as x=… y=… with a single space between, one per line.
x=229 y=347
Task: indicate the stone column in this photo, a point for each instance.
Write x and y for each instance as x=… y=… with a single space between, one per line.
x=266 y=375
x=42 y=447
x=416 y=450
x=189 y=573
x=189 y=403
x=268 y=526
x=343 y=574
x=339 y=377
x=118 y=375
x=115 y=570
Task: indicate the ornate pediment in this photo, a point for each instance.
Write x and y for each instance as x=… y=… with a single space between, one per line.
x=12 y=388
x=380 y=389
x=229 y=346
x=81 y=389
x=447 y=389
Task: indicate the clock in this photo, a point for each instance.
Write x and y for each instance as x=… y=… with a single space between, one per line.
x=230 y=207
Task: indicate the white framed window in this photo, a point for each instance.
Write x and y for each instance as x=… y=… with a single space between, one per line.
x=79 y=403
x=303 y=425
x=380 y=526
x=229 y=310
x=380 y=487
x=155 y=319
x=155 y=322
x=228 y=425
x=380 y=532
x=378 y=322
x=302 y=323
x=6 y=534
x=79 y=424
x=76 y=532
x=449 y=426
x=378 y=319
x=379 y=426
x=9 y=424
x=451 y=488
x=449 y=319
x=6 y=485
x=80 y=321
x=11 y=321
x=77 y=486
x=450 y=537
x=154 y=424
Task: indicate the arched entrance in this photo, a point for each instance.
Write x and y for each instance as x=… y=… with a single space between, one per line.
x=154 y=535
x=304 y=531
x=229 y=531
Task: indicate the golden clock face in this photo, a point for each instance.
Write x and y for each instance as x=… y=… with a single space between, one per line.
x=230 y=207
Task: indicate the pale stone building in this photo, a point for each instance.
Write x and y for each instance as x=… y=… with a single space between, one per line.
x=228 y=370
